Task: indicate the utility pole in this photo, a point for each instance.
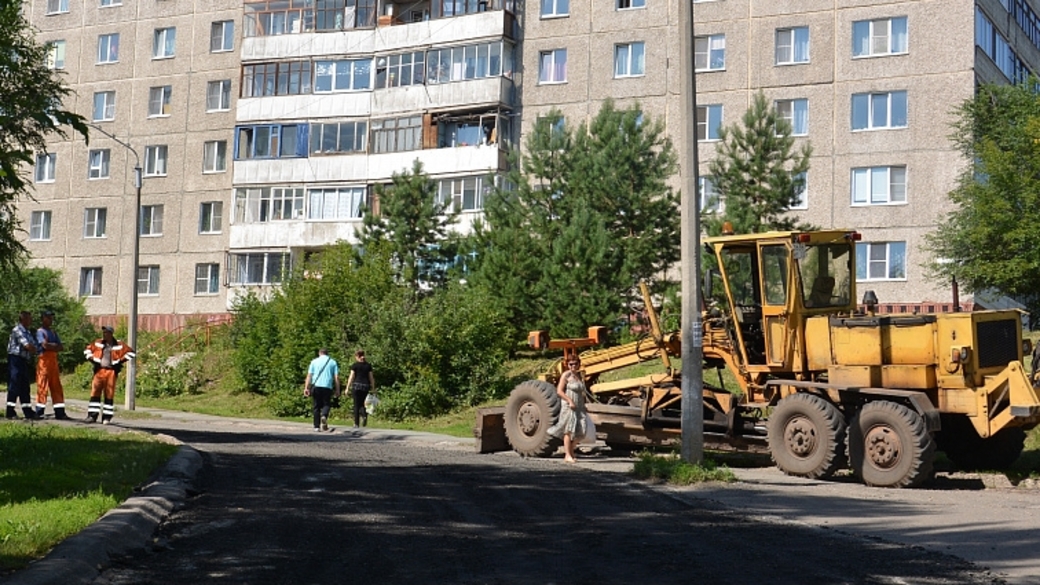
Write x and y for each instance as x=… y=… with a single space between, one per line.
x=692 y=333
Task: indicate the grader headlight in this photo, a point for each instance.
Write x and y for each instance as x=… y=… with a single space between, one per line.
x=960 y=355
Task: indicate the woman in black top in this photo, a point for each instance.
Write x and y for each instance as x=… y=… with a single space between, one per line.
x=360 y=382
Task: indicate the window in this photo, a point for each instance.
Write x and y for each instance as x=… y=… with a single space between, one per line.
x=711 y=200
x=90 y=282
x=147 y=280
x=94 y=222
x=271 y=141
x=872 y=111
x=629 y=60
x=163 y=42
x=792 y=45
x=557 y=124
x=397 y=134
x=56 y=55
x=552 y=66
x=45 y=167
x=462 y=193
x=552 y=8
x=108 y=48
x=259 y=267
x=218 y=96
x=881 y=261
x=709 y=53
x=338 y=137
x=155 y=161
x=98 y=162
x=801 y=186
x=276 y=17
x=211 y=214
x=344 y=75
x=159 y=101
x=105 y=3
x=264 y=204
x=104 y=106
x=796 y=112
x=214 y=156
x=627 y=4
x=151 y=220
x=709 y=121
x=335 y=203
x=400 y=70
x=222 y=36
x=267 y=79
x=878 y=185
x=207 y=279
x=884 y=36
x=40 y=226
x=57 y=6
x=469 y=62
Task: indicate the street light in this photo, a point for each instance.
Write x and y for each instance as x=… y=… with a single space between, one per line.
x=131 y=367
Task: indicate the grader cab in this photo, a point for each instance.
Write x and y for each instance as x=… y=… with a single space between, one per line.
x=820 y=383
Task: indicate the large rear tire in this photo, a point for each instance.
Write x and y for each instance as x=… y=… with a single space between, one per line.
x=968 y=451
x=807 y=436
x=532 y=408
x=890 y=446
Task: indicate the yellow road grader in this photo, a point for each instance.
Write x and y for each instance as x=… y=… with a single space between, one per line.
x=820 y=382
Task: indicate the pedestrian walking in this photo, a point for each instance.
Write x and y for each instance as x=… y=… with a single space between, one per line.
x=108 y=355
x=48 y=376
x=21 y=347
x=321 y=385
x=361 y=382
x=571 y=424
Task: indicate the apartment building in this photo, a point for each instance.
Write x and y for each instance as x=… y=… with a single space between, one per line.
x=263 y=126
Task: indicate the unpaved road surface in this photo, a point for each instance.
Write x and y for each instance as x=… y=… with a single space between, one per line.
x=282 y=504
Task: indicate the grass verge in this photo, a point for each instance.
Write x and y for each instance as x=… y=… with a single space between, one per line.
x=671 y=469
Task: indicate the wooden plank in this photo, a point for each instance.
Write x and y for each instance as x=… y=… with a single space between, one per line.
x=490 y=430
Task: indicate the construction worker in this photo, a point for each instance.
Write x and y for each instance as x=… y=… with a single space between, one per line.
x=21 y=347
x=48 y=377
x=108 y=355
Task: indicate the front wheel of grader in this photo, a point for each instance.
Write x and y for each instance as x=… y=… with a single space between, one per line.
x=532 y=408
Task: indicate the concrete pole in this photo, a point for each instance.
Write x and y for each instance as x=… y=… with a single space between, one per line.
x=131 y=366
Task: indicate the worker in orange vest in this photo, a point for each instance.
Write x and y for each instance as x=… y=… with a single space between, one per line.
x=48 y=377
x=108 y=355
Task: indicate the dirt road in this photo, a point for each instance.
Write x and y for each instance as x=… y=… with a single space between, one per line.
x=282 y=504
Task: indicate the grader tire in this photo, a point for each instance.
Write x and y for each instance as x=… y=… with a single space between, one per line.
x=807 y=436
x=890 y=446
x=532 y=408
x=968 y=451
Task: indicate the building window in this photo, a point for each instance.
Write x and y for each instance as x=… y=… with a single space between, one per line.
x=57 y=6
x=709 y=121
x=801 y=185
x=400 y=70
x=56 y=55
x=796 y=112
x=469 y=62
x=90 y=282
x=211 y=214
x=711 y=201
x=627 y=4
x=218 y=96
x=397 y=134
x=207 y=279
x=163 y=43
x=147 y=280
x=151 y=220
x=271 y=141
x=551 y=8
x=155 y=161
x=873 y=111
x=335 y=203
x=878 y=185
x=45 y=164
x=629 y=60
x=462 y=193
x=214 y=156
x=105 y=3
x=884 y=36
x=159 y=101
x=94 y=222
x=710 y=53
x=792 y=45
x=222 y=36
x=264 y=204
x=104 y=106
x=98 y=162
x=552 y=66
x=108 y=48
x=881 y=261
x=268 y=79
x=338 y=137
x=40 y=226
x=259 y=267
x=344 y=75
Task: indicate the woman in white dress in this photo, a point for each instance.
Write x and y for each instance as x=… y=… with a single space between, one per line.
x=571 y=424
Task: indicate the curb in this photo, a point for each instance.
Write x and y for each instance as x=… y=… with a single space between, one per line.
x=124 y=529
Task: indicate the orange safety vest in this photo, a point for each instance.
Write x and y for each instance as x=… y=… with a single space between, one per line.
x=121 y=353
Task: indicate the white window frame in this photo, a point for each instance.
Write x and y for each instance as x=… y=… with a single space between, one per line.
x=40 y=225
x=269 y=204
x=796 y=112
x=156 y=160
x=877 y=32
x=706 y=51
x=207 y=275
x=218 y=95
x=239 y=270
x=90 y=279
x=111 y=3
x=550 y=66
x=803 y=197
x=94 y=222
x=211 y=217
x=105 y=111
x=710 y=200
x=453 y=192
x=710 y=124
x=57 y=7
x=214 y=156
x=164 y=43
x=555 y=8
x=353 y=70
x=108 y=49
x=792 y=45
x=629 y=4
x=148 y=280
x=880 y=104
x=46 y=164
x=629 y=59
x=99 y=160
x=161 y=96
x=890 y=258
x=56 y=54
x=882 y=185
x=222 y=36
x=151 y=221
x=335 y=203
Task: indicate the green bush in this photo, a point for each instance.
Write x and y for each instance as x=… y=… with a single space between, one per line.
x=159 y=376
x=672 y=469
